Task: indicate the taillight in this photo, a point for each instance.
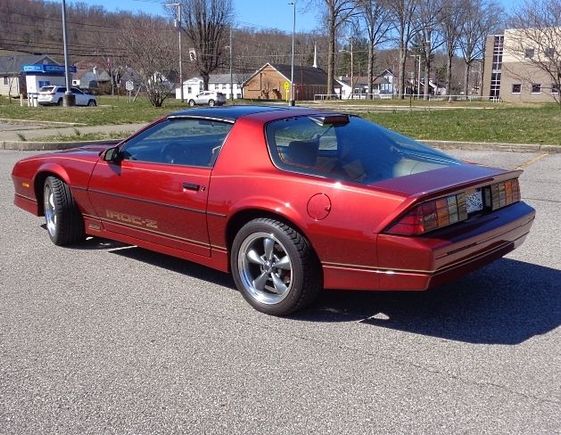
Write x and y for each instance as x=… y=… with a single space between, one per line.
x=501 y=194
x=431 y=215
x=442 y=212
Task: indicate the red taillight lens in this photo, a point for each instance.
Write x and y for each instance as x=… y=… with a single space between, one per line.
x=439 y=213
x=431 y=215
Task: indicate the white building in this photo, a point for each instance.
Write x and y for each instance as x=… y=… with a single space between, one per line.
x=382 y=87
x=217 y=82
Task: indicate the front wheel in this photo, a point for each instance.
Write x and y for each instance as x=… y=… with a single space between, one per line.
x=65 y=224
x=191 y=103
x=211 y=103
x=92 y=103
x=274 y=267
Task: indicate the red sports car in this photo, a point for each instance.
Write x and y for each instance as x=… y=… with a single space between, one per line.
x=289 y=200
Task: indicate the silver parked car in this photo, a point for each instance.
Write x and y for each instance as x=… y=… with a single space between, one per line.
x=52 y=95
x=212 y=98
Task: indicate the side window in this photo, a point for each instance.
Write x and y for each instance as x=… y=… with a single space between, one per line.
x=177 y=141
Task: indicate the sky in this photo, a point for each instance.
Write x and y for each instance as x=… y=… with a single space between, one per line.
x=259 y=14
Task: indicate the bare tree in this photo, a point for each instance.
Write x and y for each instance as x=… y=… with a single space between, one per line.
x=430 y=38
x=338 y=12
x=375 y=16
x=481 y=18
x=403 y=13
x=537 y=41
x=207 y=23
x=451 y=26
x=152 y=54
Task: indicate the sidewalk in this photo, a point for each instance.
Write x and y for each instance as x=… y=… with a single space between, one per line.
x=11 y=139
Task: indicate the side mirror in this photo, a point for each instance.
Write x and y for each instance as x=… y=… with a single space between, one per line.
x=112 y=155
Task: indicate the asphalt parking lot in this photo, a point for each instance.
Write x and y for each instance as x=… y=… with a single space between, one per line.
x=104 y=338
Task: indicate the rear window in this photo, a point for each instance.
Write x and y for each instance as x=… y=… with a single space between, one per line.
x=47 y=89
x=358 y=151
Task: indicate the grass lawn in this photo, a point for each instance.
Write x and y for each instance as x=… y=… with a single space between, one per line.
x=536 y=124
x=463 y=121
x=110 y=110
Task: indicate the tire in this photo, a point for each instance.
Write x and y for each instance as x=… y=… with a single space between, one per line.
x=65 y=224
x=191 y=103
x=211 y=103
x=274 y=267
x=92 y=103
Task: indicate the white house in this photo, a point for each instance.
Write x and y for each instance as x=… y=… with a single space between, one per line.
x=216 y=82
x=383 y=86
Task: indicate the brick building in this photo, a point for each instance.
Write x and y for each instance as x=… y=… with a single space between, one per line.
x=272 y=82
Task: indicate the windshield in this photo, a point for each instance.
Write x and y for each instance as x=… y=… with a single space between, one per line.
x=358 y=151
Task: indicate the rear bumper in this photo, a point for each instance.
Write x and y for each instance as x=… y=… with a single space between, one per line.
x=419 y=263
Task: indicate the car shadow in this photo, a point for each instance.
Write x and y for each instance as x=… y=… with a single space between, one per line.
x=507 y=302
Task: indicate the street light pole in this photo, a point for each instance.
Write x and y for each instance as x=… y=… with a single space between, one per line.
x=293 y=3
x=178 y=25
x=231 y=74
x=68 y=99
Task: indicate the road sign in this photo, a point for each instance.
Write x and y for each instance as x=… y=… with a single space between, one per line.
x=286 y=86
x=129 y=85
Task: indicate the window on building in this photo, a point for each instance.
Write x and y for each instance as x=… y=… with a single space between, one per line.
x=554 y=88
x=516 y=88
x=6 y=80
x=189 y=89
x=550 y=52
x=536 y=88
x=529 y=53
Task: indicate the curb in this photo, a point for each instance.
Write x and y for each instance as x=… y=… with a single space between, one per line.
x=442 y=144
x=494 y=146
x=50 y=146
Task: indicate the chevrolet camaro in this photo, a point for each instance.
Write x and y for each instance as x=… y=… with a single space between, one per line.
x=289 y=200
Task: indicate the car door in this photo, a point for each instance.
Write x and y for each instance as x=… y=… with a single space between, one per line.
x=157 y=190
x=80 y=97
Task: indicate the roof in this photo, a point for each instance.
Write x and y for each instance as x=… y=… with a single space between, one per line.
x=225 y=78
x=226 y=113
x=13 y=63
x=303 y=75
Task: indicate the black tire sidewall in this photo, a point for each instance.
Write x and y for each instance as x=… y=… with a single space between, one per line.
x=290 y=303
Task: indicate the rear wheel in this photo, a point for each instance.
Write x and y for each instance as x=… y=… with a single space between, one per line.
x=65 y=224
x=211 y=103
x=191 y=103
x=274 y=267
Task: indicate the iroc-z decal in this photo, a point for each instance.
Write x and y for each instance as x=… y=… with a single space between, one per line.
x=131 y=219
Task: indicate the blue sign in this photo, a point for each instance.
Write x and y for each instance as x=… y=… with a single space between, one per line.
x=47 y=69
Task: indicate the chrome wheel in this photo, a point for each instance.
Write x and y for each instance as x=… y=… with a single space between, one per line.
x=50 y=210
x=265 y=268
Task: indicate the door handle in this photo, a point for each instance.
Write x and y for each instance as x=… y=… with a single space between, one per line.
x=191 y=186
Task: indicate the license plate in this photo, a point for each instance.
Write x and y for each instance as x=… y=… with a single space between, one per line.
x=474 y=201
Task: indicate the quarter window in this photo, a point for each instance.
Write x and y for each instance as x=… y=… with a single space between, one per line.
x=190 y=142
x=516 y=87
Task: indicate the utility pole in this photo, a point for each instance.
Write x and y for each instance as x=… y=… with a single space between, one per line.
x=178 y=25
x=352 y=71
x=231 y=74
x=293 y=3
x=68 y=98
